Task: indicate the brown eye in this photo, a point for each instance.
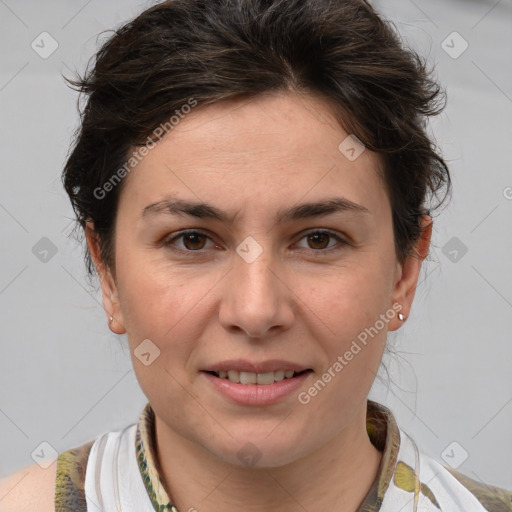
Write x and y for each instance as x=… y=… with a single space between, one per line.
x=192 y=241
x=319 y=242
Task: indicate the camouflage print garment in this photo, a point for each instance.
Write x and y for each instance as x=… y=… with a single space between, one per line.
x=407 y=481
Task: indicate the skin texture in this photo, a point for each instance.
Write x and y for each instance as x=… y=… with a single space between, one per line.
x=29 y=486
x=253 y=158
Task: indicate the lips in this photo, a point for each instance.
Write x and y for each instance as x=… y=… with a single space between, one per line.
x=240 y=387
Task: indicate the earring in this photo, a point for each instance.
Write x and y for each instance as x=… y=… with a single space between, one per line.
x=111 y=319
x=401 y=317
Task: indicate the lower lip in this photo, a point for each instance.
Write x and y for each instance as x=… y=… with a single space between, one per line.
x=257 y=394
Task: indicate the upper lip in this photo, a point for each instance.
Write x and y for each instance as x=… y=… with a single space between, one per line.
x=243 y=365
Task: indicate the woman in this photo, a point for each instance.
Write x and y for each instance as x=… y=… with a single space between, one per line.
x=255 y=184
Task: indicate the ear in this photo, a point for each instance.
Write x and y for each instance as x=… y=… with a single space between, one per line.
x=408 y=273
x=111 y=302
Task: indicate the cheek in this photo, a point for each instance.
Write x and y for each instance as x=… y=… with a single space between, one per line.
x=166 y=309
x=353 y=348
x=171 y=306
x=158 y=297
x=354 y=306
x=351 y=299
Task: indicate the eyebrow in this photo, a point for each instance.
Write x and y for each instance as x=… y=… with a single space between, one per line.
x=329 y=206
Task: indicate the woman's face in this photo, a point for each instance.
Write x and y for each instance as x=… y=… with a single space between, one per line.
x=265 y=284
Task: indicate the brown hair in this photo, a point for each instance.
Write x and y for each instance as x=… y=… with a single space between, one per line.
x=213 y=50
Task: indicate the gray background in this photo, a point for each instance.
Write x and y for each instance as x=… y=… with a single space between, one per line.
x=65 y=378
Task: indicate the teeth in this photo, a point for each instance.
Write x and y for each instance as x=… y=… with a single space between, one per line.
x=255 y=378
x=248 y=378
x=279 y=375
x=265 y=378
x=234 y=376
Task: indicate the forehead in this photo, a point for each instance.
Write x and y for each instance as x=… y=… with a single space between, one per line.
x=272 y=149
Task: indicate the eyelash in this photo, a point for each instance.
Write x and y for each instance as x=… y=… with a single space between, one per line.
x=320 y=252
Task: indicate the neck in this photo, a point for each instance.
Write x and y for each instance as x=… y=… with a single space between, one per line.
x=338 y=475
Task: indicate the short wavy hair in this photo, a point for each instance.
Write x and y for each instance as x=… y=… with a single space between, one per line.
x=215 y=50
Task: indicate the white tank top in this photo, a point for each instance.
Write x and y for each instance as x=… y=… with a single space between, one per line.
x=113 y=482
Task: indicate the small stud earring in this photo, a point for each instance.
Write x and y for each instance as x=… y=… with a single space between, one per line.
x=401 y=317
x=111 y=319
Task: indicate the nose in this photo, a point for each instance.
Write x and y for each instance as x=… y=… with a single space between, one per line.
x=256 y=299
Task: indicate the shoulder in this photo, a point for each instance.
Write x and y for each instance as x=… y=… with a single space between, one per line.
x=494 y=499
x=57 y=488
x=33 y=484
x=439 y=485
x=456 y=488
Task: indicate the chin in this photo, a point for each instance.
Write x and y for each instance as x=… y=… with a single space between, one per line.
x=260 y=451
